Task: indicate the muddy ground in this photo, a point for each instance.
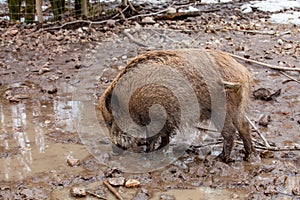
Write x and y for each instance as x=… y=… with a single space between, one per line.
x=50 y=81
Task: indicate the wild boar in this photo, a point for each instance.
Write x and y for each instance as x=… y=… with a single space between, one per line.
x=163 y=91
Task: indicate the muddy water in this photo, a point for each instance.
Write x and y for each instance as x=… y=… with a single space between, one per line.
x=25 y=145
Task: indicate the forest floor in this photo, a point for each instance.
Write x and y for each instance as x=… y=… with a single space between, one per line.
x=51 y=79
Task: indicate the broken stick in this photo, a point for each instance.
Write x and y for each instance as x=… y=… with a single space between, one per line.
x=265 y=64
x=258 y=132
x=112 y=190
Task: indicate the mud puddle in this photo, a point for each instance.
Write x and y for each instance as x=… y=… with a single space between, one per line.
x=37 y=137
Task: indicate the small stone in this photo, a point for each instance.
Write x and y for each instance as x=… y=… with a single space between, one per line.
x=116 y=181
x=78 y=192
x=280 y=42
x=288 y=46
x=111 y=23
x=50 y=89
x=59 y=38
x=166 y=197
x=132 y=183
x=148 y=20
x=44 y=70
x=267 y=154
x=171 y=10
x=85 y=28
x=73 y=162
x=80 y=30
x=264 y=120
x=14 y=32
x=124 y=57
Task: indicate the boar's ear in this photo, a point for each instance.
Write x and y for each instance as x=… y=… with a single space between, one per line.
x=108 y=101
x=112 y=99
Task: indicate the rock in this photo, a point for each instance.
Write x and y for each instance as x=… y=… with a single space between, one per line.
x=73 y=162
x=50 y=89
x=264 y=120
x=13 y=32
x=116 y=181
x=78 y=192
x=166 y=197
x=280 y=42
x=265 y=94
x=171 y=10
x=132 y=183
x=267 y=154
x=111 y=23
x=148 y=20
x=44 y=70
x=288 y=46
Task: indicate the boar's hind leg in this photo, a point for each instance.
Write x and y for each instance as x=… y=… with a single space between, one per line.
x=243 y=128
x=228 y=134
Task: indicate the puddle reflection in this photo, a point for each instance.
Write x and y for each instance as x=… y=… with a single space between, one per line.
x=24 y=149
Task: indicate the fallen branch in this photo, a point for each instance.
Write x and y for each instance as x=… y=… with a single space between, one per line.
x=258 y=132
x=112 y=190
x=265 y=64
x=182 y=15
x=133 y=39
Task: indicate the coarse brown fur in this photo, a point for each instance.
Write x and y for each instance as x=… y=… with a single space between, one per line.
x=207 y=72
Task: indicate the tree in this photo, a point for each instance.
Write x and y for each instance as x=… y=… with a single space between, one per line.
x=39 y=11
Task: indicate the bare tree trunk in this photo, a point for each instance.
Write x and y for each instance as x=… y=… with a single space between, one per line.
x=14 y=7
x=124 y=3
x=39 y=11
x=84 y=8
x=29 y=11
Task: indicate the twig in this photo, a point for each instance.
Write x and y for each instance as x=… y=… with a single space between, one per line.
x=149 y=14
x=131 y=6
x=293 y=79
x=265 y=64
x=208 y=144
x=286 y=148
x=96 y=195
x=206 y=129
x=121 y=12
x=122 y=15
x=258 y=132
x=133 y=39
x=112 y=190
x=258 y=32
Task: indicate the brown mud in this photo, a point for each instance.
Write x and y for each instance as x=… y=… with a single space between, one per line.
x=50 y=81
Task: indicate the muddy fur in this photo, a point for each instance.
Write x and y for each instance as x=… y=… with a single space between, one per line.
x=207 y=73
